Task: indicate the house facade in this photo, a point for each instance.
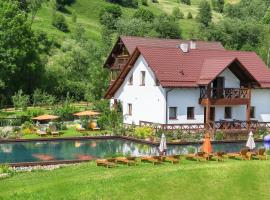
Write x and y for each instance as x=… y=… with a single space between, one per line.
x=191 y=83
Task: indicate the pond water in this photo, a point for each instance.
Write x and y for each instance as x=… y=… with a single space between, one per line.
x=15 y=152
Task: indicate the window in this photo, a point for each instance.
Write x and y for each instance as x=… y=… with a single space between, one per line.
x=190 y=112
x=172 y=112
x=129 y=109
x=142 y=78
x=252 y=112
x=228 y=113
x=130 y=80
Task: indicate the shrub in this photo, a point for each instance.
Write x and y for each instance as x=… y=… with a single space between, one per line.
x=145 y=2
x=66 y=111
x=34 y=112
x=59 y=22
x=189 y=15
x=219 y=135
x=27 y=124
x=143 y=132
x=144 y=14
x=20 y=100
x=188 y=2
x=42 y=98
x=177 y=14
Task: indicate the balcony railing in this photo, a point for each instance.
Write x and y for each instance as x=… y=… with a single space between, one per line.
x=224 y=93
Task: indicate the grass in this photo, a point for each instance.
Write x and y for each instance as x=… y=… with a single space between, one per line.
x=87 y=12
x=190 y=181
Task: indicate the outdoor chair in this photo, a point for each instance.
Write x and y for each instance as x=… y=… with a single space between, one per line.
x=260 y=154
x=172 y=158
x=152 y=159
x=127 y=161
x=54 y=131
x=244 y=154
x=41 y=131
x=108 y=163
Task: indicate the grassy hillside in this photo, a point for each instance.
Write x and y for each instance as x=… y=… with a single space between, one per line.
x=87 y=12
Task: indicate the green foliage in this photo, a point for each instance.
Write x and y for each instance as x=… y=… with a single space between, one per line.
x=218 y=5
x=20 y=63
x=109 y=16
x=42 y=98
x=144 y=14
x=27 y=125
x=126 y=3
x=20 y=100
x=143 y=132
x=177 y=14
x=34 y=112
x=62 y=3
x=167 y=27
x=189 y=15
x=188 y=2
x=145 y=2
x=66 y=110
x=59 y=21
x=219 y=135
x=205 y=14
x=266 y=18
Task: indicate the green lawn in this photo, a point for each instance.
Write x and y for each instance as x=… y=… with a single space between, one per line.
x=190 y=180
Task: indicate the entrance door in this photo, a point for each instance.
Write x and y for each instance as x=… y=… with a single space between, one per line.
x=212 y=113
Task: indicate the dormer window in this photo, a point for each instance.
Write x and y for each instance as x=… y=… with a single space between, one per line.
x=130 y=80
x=142 y=78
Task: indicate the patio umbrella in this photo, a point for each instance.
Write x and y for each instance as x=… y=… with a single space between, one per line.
x=45 y=117
x=250 y=142
x=207 y=147
x=86 y=113
x=162 y=145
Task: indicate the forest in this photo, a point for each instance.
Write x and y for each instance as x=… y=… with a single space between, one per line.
x=53 y=49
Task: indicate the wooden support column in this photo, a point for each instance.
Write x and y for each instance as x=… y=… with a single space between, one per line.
x=115 y=104
x=208 y=104
x=248 y=107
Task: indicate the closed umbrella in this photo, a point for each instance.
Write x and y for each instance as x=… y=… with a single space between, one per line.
x=250 y=142
x=207 y=147
x=162 y=145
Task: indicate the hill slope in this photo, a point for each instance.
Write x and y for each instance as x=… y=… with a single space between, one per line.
x=87 y=12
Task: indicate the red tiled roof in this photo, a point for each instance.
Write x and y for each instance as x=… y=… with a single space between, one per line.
x=131 y=42
x=174 y=68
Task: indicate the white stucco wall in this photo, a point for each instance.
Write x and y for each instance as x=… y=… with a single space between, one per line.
x=260 y=98
x=230 y=80
x=183 y=98
x=148 y=102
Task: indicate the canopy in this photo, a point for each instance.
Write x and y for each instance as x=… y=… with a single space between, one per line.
x=207 y=147
x=162 y=145
x=87 y=113
x=45 y=117
x=250 y=142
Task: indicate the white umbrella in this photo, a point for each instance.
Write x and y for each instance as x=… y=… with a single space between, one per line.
x=162 y=145
x=250 y=142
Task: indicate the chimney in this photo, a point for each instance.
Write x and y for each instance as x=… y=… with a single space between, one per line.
x=183 y=47
x=193 y=44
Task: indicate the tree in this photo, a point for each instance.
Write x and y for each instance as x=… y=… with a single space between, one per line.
x=109 y=16
x=189 y=15
x=177 y=14
x=205 y=14
x=186 y=2
x=20 y=63
x=167 y=27
x=34 y=6
x=59 y=21
x=144 y=14
x=266 y=18
x=218 y=5
x=20 y=100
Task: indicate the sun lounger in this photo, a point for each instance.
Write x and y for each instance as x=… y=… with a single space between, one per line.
x=260 y=154
x=125 y=160
x=54 y=132
x=173 y=159
x=219 y=156
x=153 y=159
x=108 y=163
x=244 y=154
x=41 y=133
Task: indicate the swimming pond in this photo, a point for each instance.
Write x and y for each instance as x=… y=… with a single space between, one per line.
x=59 y=150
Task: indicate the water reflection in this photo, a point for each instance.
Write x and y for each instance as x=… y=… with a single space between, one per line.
x=88 y=149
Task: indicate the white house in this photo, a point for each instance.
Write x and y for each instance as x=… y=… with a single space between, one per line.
x=185 y=84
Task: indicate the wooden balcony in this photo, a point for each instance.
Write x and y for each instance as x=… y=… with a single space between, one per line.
x=224 y=96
